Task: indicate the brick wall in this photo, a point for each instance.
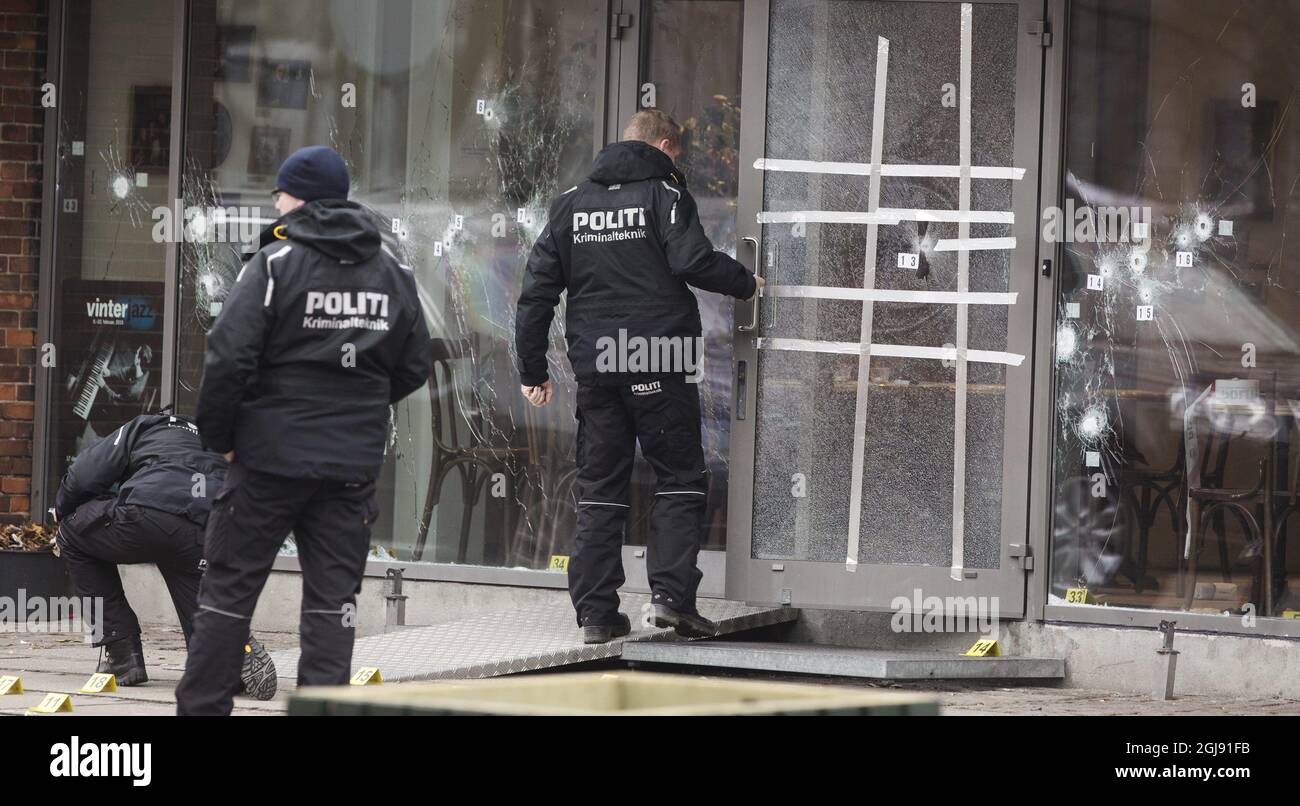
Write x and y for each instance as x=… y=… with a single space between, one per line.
x=22 y=72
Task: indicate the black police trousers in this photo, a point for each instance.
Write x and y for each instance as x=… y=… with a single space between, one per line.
x=663 y=415
x=251 y=517
x=102 y=534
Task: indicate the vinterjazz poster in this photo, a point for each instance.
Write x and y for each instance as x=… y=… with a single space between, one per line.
x=109 y=359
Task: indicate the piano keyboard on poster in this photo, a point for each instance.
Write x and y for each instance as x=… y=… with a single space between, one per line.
x=90 y=382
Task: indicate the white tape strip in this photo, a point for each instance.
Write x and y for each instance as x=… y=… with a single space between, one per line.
x=890 y=295
x=965 y=245
x=868 y=311
x=963 y=285
x=824 y=217
x=868 y=169
x=888 y=350
x=885 y=215
x=950 y=216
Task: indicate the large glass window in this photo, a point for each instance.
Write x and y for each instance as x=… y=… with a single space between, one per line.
x=114 y=152
x=460 y=121
x=1178 y=343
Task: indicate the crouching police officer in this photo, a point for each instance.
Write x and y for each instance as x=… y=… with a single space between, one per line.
x=165 y=483
x=321 y=333
x=625 y=245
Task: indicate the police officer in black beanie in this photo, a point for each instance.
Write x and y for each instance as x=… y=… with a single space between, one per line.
x=321 y=334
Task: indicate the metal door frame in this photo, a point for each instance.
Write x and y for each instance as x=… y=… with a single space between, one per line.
x=830 y=585
x=624 y=98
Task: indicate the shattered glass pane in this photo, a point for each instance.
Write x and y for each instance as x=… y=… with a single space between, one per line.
x=820 y=106
x=459 y=121
x=1177 y=352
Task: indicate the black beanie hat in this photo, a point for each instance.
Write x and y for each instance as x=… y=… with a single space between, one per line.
x=314 y=172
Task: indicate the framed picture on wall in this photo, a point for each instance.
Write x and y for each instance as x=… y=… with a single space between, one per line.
x=151 y=115
x=268 y=147
x=283 y=84
x=234 y=54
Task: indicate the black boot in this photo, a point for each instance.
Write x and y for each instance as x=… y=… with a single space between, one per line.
x=604 y=633
x=687 y=625
x=258 y=674
x=124 y=659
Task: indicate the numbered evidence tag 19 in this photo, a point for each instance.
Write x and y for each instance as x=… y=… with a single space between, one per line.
x=367 y=676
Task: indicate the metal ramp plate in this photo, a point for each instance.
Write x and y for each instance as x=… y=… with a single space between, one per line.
x=844 y=661
x=511 y=641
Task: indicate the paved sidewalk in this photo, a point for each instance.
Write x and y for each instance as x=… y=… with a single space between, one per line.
x=972 y=700
x=62 y=663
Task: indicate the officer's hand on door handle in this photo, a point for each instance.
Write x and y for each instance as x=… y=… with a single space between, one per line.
x=537 y=395
x=759 y=282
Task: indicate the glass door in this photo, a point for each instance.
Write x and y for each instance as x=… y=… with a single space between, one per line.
x=888 y=187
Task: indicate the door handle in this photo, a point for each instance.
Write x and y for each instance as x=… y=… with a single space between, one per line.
x=753 y=314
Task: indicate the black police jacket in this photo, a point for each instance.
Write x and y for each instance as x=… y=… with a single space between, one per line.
x=158 y=460
x=321 y=333
x=624 y=245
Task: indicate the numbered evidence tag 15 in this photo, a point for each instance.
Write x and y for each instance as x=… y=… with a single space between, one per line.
x=367 y=676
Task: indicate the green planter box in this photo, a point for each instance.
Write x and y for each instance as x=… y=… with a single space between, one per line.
x=605 y=694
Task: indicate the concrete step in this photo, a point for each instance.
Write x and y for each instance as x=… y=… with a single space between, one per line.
x=877 y=664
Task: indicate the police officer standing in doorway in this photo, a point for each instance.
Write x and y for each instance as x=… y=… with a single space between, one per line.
x=321 y=333
x=625 y=245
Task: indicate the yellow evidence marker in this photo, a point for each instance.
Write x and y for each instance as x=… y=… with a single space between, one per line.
x=53 y=704
x=98 y=683
x=984 y=648
x=367 y=676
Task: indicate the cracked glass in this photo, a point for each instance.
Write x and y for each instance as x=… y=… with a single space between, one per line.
x=1177 y=353
x=821 y=95
x=459 y=122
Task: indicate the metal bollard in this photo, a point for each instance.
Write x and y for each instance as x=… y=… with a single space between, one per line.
x=1166 y=663
x=395 y=612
